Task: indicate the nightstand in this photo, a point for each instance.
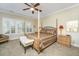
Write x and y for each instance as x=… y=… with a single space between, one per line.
x=64 y=40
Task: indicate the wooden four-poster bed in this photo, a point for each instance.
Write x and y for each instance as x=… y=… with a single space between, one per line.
x=48 y=36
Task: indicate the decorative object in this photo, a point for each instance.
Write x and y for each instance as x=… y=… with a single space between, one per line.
x=61 y=28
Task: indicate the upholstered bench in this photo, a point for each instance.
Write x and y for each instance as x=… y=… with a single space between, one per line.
x=25 y=42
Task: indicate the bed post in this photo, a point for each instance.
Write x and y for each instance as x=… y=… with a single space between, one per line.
x=37 y=40
x=38 y=24
x=38 y=32
x=56 y=28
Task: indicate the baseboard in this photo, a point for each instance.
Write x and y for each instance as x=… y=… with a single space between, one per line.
x=12 y=39
x=76 y=45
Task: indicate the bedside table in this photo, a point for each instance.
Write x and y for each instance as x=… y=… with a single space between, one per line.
x=64 y=40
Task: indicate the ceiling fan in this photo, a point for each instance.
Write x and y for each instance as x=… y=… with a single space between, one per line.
x=32 y=7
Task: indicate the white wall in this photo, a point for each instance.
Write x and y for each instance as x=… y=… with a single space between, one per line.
x=63 y=17
x=75 y=39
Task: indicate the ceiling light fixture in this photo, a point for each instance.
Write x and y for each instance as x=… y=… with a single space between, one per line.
x=32 y=9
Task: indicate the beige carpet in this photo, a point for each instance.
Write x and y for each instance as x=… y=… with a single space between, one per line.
x=13 y=48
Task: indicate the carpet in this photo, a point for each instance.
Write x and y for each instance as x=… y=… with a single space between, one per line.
x=13 y=48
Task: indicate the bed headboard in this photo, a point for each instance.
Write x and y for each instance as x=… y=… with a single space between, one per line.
x=48 y=29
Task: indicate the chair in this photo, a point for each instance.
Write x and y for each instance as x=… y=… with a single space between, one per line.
x=25 y=42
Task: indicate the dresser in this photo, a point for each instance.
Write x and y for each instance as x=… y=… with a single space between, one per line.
x=64 y=40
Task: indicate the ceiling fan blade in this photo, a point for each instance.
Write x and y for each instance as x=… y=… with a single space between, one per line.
x=37 y=4
x=32 y=12
x=27 y=4
x=38 y=10
x=26 y=9
x=32 y=3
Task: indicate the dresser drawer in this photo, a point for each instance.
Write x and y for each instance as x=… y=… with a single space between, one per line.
x=64 y=40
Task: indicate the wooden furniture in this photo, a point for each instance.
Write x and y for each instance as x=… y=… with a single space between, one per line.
x=3 y=38
x=64 y=40
x=47 y=37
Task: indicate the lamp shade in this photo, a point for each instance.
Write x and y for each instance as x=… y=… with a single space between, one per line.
x=61 y=27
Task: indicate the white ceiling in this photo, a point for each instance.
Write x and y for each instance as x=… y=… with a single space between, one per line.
x=47 y=8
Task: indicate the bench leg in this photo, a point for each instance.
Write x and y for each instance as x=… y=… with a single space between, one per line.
x=32 y=46
x=25 y=50
x=20 y=43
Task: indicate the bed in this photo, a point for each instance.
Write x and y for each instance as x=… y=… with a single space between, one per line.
x=48 y=36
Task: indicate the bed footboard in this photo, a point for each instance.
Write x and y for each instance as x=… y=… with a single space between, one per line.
x=48 y=41
x=44 y=43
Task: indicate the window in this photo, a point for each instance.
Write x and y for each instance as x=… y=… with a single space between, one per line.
x=11 y=26
x=72 y=26
x=28 y=27
x=6 y=27
x=19 y=26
